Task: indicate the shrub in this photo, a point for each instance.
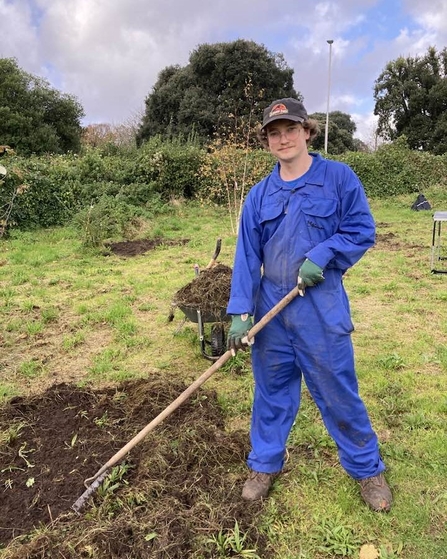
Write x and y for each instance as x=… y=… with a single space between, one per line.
x=170 y=167
x=395 y=169
x=228 y=172
x=108 y=219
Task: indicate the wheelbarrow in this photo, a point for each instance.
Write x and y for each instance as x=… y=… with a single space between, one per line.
x=213 y=343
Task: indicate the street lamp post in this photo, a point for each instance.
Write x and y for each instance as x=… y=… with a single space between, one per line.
x=326 y=132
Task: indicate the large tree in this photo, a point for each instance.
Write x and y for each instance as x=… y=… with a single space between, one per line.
x=222 y=82
x=340 y=133
x=411 y=101
x=35 y=118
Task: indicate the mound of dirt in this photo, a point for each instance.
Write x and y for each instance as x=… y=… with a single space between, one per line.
x=208 y=292
x=178 y=489
x=140 y=246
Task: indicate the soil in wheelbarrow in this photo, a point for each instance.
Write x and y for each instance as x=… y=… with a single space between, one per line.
x=209 y=291
x=178 y=488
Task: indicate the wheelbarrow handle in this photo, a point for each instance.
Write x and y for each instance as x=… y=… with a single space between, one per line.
x=102 y=472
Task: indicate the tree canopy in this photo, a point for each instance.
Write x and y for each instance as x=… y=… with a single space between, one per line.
x=35 y=118
x=221 y=83
x=340 y=133
x=411 y=101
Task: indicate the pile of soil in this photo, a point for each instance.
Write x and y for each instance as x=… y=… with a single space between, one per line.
x=140 y=246
x=181 y=488
x=208 y=292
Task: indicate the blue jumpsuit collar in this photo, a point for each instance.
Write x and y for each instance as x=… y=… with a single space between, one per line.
x=315 y=176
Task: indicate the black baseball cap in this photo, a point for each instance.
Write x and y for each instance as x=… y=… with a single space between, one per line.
x=288 y=108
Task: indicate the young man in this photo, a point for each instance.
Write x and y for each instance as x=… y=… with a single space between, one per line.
x=308 y=219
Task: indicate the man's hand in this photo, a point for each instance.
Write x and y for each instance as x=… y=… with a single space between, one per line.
x=240 y=325
x=310 y=274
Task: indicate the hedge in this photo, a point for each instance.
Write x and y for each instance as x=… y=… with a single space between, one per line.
x=49 y=190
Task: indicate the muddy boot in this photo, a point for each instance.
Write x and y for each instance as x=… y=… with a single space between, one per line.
x=257 y=486
x=376 y=493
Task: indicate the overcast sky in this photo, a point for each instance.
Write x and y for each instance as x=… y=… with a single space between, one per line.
x=108 y=53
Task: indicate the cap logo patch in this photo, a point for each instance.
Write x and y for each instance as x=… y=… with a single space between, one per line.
x=279 y=109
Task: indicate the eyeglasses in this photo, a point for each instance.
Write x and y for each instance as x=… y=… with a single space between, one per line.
x=291 y=133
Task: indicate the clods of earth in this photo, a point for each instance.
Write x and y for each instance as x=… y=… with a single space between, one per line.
x=176 y=491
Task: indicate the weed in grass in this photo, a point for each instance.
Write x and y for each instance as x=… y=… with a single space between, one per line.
x=49 y=314
x=391 y=551
x=126 y=329
x=105 y=363
x=28 y=305
x=102 y=421
x=240 y=364
x=7 y=391
x=31 y=368
x=334 y=537
x=232 y=544
x=417 y=421
x=34 y=328
x=116 y=313
x=114 y=480
x=7 y=298
x=362 y=289
x=74 y=340
x=393 y=362
x=83 y=309
x=20 y=277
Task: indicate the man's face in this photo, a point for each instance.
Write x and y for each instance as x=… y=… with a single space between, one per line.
x=287 y=139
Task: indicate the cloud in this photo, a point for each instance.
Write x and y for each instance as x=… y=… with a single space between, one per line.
x=17 y=30
x=108 y=53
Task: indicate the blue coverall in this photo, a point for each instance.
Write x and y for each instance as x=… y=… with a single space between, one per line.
x=324 y=216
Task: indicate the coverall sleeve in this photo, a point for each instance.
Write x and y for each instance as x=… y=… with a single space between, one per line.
x=246 y=275
x=356 y=230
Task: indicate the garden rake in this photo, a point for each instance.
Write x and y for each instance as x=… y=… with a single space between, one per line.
x=95 y=481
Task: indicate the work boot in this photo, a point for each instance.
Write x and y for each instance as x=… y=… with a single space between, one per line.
x=376 y=493
x=257 y=486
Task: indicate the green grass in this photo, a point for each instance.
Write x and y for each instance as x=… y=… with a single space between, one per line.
x=72 y=314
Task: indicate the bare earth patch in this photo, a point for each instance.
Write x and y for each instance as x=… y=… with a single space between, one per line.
x=182 y=486
x=140 y=246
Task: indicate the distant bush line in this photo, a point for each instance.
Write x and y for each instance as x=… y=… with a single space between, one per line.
x=50 y=190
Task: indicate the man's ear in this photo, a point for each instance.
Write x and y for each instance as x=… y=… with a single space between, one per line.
x=306 y=133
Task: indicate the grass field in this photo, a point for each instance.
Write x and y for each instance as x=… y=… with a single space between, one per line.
x=78 y=316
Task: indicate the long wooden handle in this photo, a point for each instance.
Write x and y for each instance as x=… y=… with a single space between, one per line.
x=102 y=472
x=215 y=255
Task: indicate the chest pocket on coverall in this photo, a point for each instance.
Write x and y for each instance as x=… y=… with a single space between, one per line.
x=321 y=218
x=270 y=216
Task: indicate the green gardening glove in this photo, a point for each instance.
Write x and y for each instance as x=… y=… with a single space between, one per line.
x=310 y=273
x=240 y=325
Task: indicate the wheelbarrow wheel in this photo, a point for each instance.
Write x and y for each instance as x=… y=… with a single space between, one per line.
x=217 y=340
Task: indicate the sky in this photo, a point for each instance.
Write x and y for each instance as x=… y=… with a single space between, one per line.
x=108 y=53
